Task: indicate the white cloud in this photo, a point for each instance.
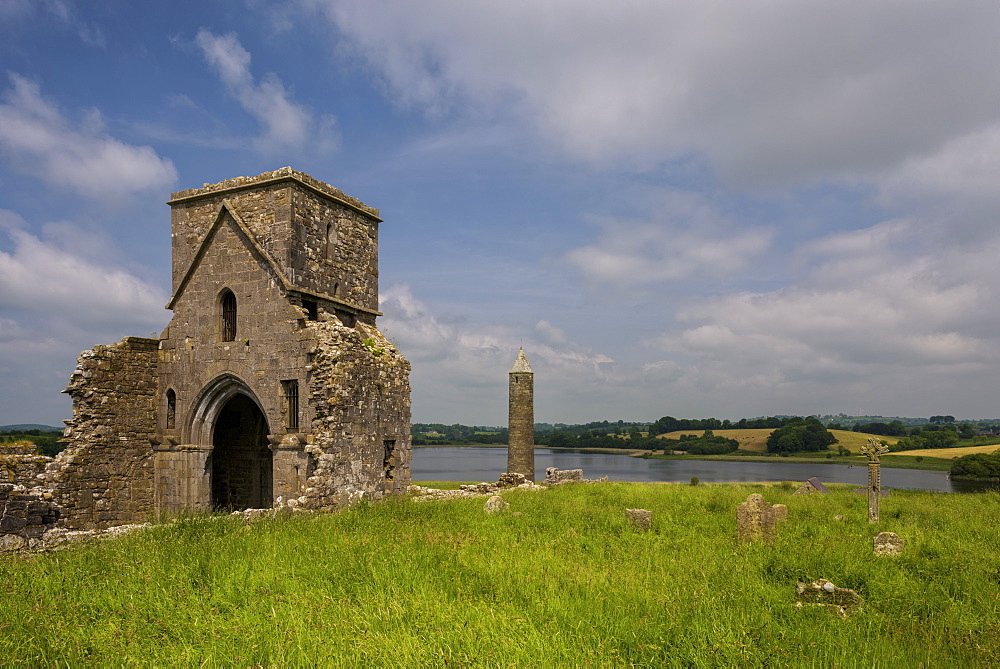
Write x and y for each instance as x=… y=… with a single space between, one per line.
x=967 y=166
x=770 y=93
x=460 y=368
x=39 y=277
x=59 y=295
x=683 y=236
x=874 y=323
x=36 y=139
x=286 y=125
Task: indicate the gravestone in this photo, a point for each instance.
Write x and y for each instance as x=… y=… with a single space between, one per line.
x=641 y=519
x=755 y=520
x=780 y=512
x=495 y=504
x=888 y=543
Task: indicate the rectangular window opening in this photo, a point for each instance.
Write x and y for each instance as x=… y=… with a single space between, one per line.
x=389 y=450
x=312 y=309
x=291 y=391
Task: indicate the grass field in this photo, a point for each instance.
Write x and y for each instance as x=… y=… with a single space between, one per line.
x=560 y=580
x=756 y=439
x=949 y=453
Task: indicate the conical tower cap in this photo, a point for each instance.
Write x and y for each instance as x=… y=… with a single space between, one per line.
x=521 y=365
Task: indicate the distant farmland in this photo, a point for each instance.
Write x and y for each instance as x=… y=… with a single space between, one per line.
x=948 y=453
x=756 y=439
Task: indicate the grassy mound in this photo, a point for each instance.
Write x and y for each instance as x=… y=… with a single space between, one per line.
x=561 y=579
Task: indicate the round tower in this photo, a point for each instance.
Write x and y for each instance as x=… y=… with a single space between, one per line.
x=521 y=422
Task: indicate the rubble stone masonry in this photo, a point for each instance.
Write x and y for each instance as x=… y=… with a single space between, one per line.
x=104 y=476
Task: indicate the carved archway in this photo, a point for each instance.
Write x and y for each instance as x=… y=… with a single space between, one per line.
x=241 y=463
x=229 y=421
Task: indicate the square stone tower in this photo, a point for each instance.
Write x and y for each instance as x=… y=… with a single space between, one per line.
x=271 y=384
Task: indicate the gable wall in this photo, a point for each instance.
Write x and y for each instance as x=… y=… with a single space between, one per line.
x=269 y=337
x=267 y=212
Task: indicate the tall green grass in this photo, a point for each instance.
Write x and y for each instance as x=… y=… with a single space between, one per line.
x=561 y=580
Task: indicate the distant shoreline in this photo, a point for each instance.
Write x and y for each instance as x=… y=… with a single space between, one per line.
x=890 y=461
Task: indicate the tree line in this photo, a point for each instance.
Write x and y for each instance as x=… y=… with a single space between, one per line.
x=47 y=442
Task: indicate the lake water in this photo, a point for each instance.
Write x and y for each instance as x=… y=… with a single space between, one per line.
x=468 y=463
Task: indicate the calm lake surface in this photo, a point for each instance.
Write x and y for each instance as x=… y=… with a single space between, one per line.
x=468 y=463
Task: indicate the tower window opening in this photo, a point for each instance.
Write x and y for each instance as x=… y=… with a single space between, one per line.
x=312 y=309
x=329 y=241
x=291 y=392
x=389 y=450
x=228 y=316
x=171 y=408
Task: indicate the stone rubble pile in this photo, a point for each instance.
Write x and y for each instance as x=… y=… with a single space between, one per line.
x=822 y=592
x=555 y=476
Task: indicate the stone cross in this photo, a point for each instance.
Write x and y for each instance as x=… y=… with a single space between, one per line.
x=873 y=450
x=755 y=519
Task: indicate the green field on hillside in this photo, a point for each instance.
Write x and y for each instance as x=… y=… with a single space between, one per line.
x=756 y=439
x=559 y=580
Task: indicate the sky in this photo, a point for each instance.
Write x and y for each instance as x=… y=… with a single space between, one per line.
x=730 y=208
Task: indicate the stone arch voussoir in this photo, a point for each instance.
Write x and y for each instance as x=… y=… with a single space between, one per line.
x=209 y=402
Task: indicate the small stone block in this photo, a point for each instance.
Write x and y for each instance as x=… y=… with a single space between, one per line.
x=780 y=512
x=888 y=543
x=556 y=476
x=641 y=519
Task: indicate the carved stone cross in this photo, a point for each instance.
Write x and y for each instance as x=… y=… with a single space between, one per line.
x=873 y=450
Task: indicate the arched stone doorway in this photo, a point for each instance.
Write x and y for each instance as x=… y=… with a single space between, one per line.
x=241 y=462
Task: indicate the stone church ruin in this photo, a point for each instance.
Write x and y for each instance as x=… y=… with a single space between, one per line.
x=271 y=385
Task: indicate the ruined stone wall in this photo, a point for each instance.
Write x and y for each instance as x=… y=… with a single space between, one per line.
x=24 y=517
x=360 y=392
x=104 y=477
x=20 y=464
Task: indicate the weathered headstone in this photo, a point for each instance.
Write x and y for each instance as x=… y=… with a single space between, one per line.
x=888 y=543
x=822 y=592
x=755 y=520
x=873 y=450
x=780 y=511
x=810 y=487
x=641 y=519
x=495 y=504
